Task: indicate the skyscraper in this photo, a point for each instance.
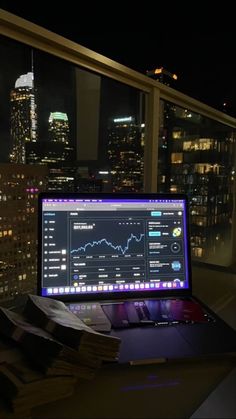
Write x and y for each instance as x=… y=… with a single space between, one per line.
x=56 y=148
x=55 y=152
x=125 y=154
x=196 y=157
x=58 y=127
x=23 y=116
x=163 y=76
x=19 y=188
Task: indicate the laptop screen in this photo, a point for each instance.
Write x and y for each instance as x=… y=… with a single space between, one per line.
x=110 y=245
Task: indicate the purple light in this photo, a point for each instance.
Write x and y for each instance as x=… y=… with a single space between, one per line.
x=32 y=190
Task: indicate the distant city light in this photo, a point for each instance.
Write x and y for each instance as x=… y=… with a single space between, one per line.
x=163 y=72
x=58 y=115
x=32 y=190
x=25 y=80
x=126 y=119
x=158 y=70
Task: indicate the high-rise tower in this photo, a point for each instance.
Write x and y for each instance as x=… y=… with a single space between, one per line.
x=23 y=116
x=163 y=76
x=125 y=154
x=58 y=127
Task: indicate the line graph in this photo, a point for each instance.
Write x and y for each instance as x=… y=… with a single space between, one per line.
x=116 y=237
x=107 y=249
x=119 y=248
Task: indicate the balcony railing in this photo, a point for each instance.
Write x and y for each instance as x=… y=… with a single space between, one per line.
x=165 y=141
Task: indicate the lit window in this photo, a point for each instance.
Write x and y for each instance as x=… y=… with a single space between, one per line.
x=176 y=135
x=176 y=158
x=198 y=252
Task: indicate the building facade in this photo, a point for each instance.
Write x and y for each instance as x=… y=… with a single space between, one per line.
x=19 y=188
x=125 y=154
x=56 y=153
x=196 y=157
x=23 y=117
x=58 y=127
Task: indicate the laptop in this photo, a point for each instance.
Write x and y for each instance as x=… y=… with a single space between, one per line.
x=121 y=262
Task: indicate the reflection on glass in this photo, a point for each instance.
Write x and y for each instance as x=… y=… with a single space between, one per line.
x=196 y=156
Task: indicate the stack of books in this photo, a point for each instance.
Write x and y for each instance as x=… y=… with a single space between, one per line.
x=41 y=359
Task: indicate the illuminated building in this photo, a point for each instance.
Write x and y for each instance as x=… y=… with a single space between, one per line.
x=23 y=116
x=61 y=177
x=58 y=127
x=162 y=75
x=125 y=154
x=47 y=152
x=19 y=188
x=56 y=153
x=196 y=157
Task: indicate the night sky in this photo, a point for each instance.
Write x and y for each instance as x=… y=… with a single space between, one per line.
x=196 y=40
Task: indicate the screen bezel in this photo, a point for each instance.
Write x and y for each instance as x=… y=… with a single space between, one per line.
x=121 y=295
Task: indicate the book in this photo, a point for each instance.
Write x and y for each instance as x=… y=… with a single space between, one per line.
x=54 y=317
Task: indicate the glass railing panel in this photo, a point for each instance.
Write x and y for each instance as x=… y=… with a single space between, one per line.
x=63 y=128
x=196 y=156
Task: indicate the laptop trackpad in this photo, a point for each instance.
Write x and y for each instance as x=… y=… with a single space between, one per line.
x=152 y=343
x=209 y=338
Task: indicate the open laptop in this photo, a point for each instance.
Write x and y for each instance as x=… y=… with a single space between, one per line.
x=122 y=263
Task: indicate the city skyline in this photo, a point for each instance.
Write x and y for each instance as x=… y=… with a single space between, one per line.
x=55 y=91
x=195 y=155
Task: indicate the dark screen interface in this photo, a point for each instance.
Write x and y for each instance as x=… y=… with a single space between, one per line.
x=111 y=245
